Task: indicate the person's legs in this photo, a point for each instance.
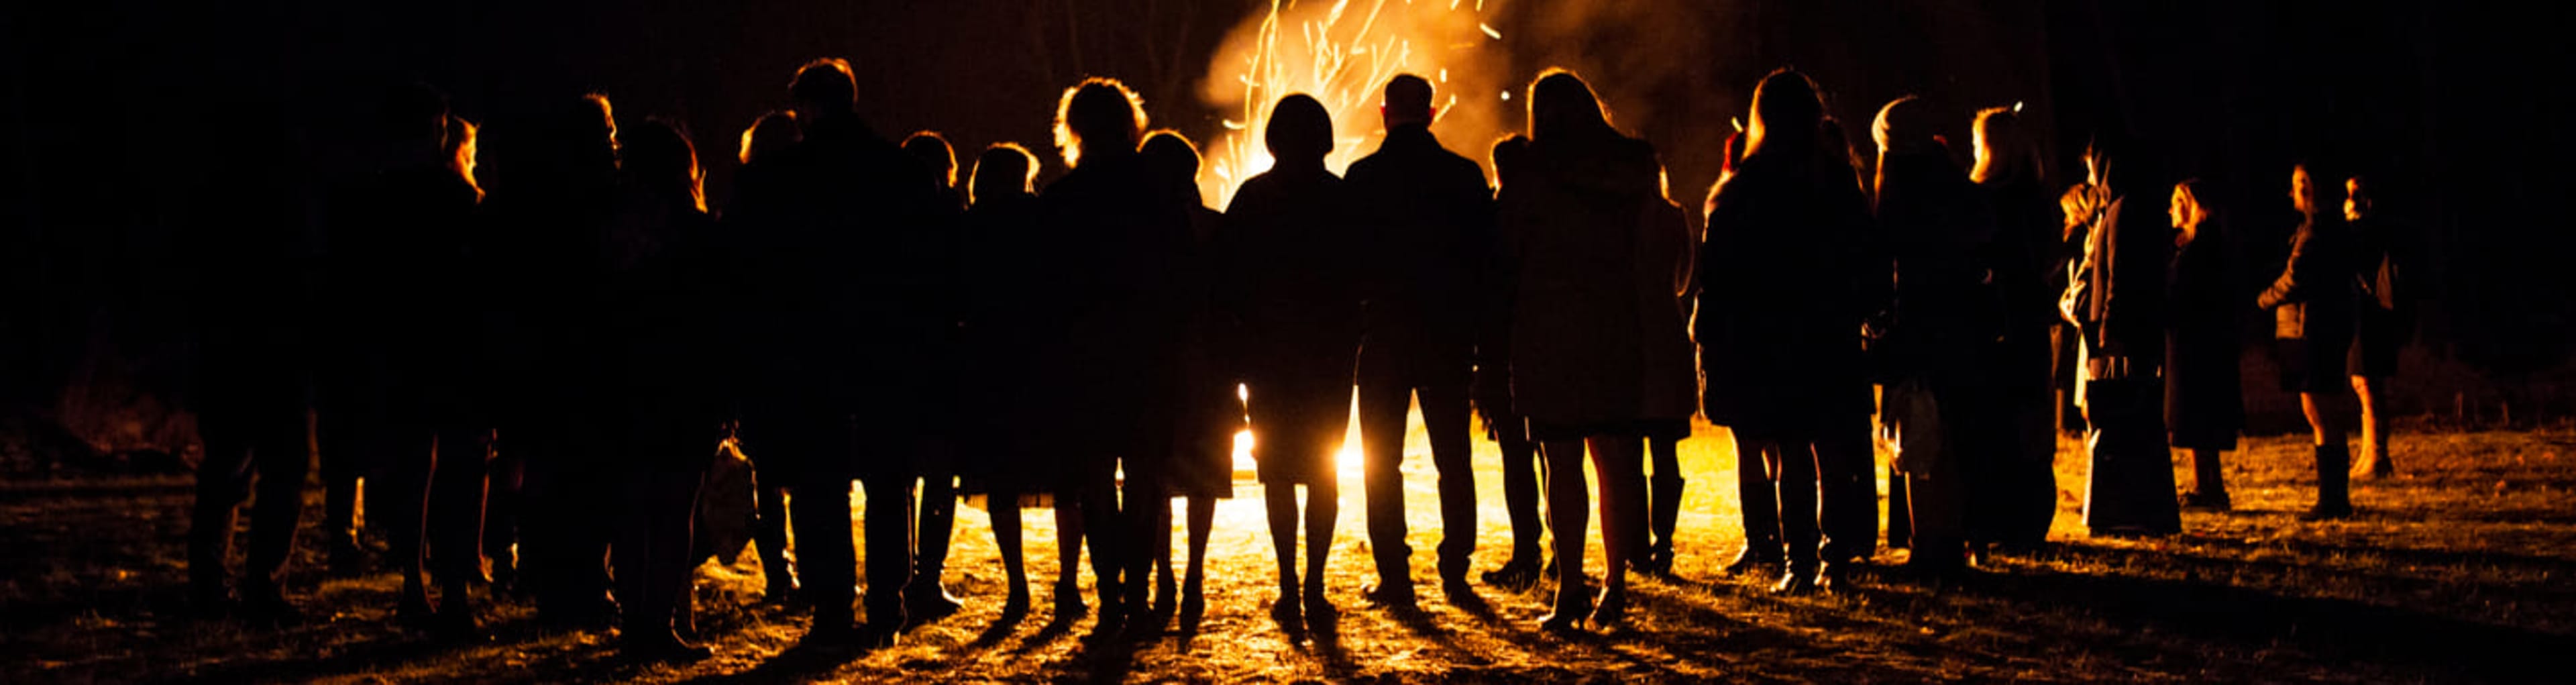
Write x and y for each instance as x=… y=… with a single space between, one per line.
x=1845 y=465
x=1158 y=552
x=456 y=519
x=1619 y=462
x=820 y=511
x=2334 y=485
x=1099 y=502
x=1202 y=521
x=2208 y=481
x=1002 y=506
x=1794 y=461
x=282 y=459
x=1758 y=499
x=889 y=526
x=223 y=481
x=1664 y=500
x=1568 y=517
x=409 y=449
x=2375 y=437
x=1385 y=399
x=506 y=480
x=928 y=597
x=1444 y=417
x=1323 y=509
x=1068 y=554
x=1279 y=500
x=1520 y=502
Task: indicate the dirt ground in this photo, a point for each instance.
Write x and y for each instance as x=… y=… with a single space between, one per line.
x=2462 y=571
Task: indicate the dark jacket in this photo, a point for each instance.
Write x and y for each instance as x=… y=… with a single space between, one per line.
x=1940 y=237
x=1572 y=224
x=1292 y=274
x=1786 y=281
x=2029 y=267
x=1426 y=215
x=2312 y=298
x=1112 y=235
x=2119 y=291
x=2204 y=396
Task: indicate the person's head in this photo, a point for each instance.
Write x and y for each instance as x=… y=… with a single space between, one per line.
x=1784 y=114
x=1004 y=169
x=413 y=121
x=1408 y=101
x=2303 y=188
x=935 y=154
x=461 y=149
x=1507 y=154
x=824 y=86
x=662 y=164
x=772 y=132
x=2187 y=209
x=1300 y=131
x=586 y=132
x=2006 y=153
x=1098 y=117
x=1734 y=152
x=1561 y=105
x=1904 y=126
x=1833 y=149
x=2356 y=198
x=1171 y=153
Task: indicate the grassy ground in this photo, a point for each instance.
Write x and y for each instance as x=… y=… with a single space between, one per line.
x=2463 y=571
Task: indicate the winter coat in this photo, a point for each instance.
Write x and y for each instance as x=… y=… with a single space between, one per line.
x=1426 y=215
x=1785 y=283
x=1575 y=227
x=2312 y=298
x=2204 y=394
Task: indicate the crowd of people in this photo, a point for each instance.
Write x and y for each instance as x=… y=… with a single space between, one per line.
x=536 y=387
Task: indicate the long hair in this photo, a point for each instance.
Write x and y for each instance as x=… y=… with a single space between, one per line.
x=662 y=163
x=1002 y=169
x=461 y=150
x=1098 y=115
x=1784 y=114
x=1561 y=105
x=2006 y=153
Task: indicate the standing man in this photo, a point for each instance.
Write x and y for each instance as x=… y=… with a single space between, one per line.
x=1427 y=214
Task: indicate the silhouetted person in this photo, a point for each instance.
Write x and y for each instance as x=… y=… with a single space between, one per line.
x=666 y=410
x=998 y=272
x=1846 y=459
x=2016 y=489
x=928 y=598
x=2311 y=302
x=402 y=299
x=1295 y=264
x=935 y=154
x=759 y=177
x=2204 y=400
x=1208 y=412
x=840 y=294
x=1786 y=283
x=2386 y=255
x=1580 y=224
x=1114 y=232
x=251 y=346
x=2116 y=300
x=553 y=176
x=1492 y=394
x=1940 y=237
x=1425 y=214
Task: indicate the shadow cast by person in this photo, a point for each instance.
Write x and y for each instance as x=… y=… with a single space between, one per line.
x=2333 y=629
x=799 y=663
x=1054 y=630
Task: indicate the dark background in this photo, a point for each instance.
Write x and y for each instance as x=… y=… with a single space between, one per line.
x=133 y=122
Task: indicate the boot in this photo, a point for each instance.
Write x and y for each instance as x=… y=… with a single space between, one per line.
x=2334 y=484
x=2209 y=483
x=1665 y=495
x=926 y=598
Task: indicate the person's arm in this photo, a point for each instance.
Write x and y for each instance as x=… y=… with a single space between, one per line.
x=2297 y=274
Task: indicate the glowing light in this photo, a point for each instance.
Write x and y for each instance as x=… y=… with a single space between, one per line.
x=2016 y=107
x=1507 y=96
x=1738 y=122
x=1342 y=55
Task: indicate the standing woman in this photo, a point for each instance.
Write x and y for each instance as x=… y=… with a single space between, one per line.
x=2204 y=401
x=1492 y=395
x=2016 y=491
x=1574 y=230
x=1114 y=234
x=1292 y=255
x=996 y=274
x=1785 y=286
x=1208 y=412
x=666 y=413
x=2116 y=301
x=2311 y=303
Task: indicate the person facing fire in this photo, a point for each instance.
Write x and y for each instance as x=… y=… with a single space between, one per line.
x=1492 y=393
x=1201 y=466
x=1426 y=215
x=1294 y=255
